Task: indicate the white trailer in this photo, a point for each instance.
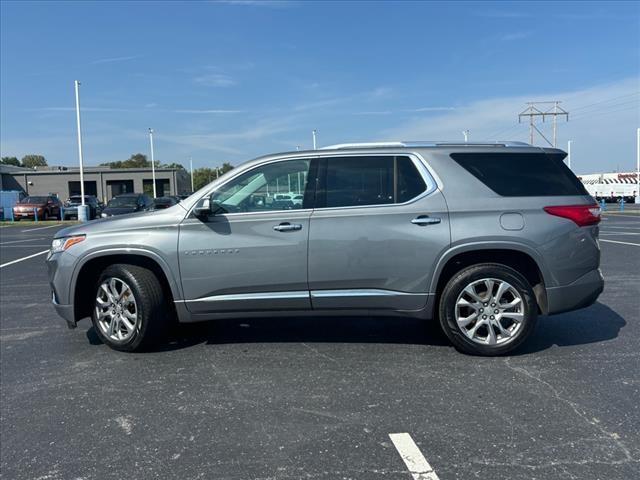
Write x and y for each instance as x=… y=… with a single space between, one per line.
x=611 y=187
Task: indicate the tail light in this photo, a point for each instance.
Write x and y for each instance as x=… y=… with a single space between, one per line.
x=582 y=215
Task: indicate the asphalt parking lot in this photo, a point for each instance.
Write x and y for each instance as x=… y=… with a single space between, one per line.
x=318 y=398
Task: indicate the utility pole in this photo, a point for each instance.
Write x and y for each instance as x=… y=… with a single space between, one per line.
x=569 y=153
x=191 y=170
x=466 y=135
x=314 y=133
x=153 y=164
x=543 y=110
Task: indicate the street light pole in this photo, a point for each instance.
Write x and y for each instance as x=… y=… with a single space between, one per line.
x=77 y=86
x=569 y=153
x=153 y=163
x=191 y=169
x=314 y=133
x=466 y=135
x=637 y=166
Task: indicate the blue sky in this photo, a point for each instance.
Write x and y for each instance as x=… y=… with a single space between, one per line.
x=227 y=81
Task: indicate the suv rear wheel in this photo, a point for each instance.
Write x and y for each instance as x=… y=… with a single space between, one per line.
x=487 y=309
x=129 y=310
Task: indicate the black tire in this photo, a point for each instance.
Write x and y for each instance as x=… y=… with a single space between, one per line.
x=466 y=277
x=153 y=313
x=45 y=215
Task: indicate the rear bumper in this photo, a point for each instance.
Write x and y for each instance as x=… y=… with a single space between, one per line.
x=579 y=294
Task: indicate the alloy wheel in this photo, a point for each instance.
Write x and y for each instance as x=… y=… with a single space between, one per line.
x=490 y=311
x=116 y=310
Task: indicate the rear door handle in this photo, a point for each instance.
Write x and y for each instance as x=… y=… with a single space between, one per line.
x=287 y=227
x=423 y=220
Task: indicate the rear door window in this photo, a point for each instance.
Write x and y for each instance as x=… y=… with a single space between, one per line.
x=522 y=174
x=368 y=180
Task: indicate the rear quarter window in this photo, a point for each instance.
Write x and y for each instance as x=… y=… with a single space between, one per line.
x=522 y=174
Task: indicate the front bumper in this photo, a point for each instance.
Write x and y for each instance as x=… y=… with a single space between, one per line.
x=65 y=311
x=579 y=294
x=60 y=268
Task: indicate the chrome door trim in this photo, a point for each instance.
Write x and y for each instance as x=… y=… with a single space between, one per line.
x=250 y=296
x=361 y=292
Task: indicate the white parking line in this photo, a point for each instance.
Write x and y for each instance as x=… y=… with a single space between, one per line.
x=619 y=233
x=412 y=456
x=22 y=241
x=623 y=243
x=40 y=228
x=623 y=228
x=23 y=258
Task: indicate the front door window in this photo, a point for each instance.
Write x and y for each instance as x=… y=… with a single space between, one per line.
x=272 y=187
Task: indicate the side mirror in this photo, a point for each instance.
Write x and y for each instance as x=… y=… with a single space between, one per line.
x=204 y=210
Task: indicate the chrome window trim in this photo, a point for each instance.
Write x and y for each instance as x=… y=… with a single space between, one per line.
x=418 y=161
x=432 y=181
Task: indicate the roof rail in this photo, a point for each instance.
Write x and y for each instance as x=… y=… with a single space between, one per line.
x=340 y=146
x=343 y=146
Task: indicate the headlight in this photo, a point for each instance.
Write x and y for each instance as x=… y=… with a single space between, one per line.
x=61 y=244
x=104 y=215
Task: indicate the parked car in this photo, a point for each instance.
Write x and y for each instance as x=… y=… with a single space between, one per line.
x=70 y=209
x=44 y=206
x=297 y=200
x=161 y=203
x=482 y=237
x=127 y=203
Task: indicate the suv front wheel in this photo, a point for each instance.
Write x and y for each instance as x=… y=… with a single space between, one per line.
x=487 y=309
x=129 y=311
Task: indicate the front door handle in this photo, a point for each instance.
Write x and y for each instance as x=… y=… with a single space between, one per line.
x=423 y=220
x=287 y=227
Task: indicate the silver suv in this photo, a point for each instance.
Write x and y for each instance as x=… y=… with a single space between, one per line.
x=484 y=237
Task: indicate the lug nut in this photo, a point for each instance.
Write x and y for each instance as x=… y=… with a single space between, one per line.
x=495 y=311
x=481 y=310
x=484 y=317
x=491 y=317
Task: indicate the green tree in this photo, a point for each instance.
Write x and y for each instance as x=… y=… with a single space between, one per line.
x=31 y=161
x=226 y=166
x=137 y=160
x=10 y=161
x=202 y=176
x=173 y=165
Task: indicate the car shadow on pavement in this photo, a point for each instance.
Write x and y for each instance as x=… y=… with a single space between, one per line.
x=301 y=329
x=594 y=324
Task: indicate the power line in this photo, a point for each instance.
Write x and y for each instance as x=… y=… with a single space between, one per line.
x=605 y=101
x=624 y=109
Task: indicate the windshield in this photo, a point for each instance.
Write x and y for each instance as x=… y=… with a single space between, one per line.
x=35 y=200
x=123 y=202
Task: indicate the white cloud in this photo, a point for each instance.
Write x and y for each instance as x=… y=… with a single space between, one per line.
x=214 y=111
x=603 y=130
x=510 y=37
x=255 y=3
x=114 y=59
x=431 y=109
x=215 y=80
